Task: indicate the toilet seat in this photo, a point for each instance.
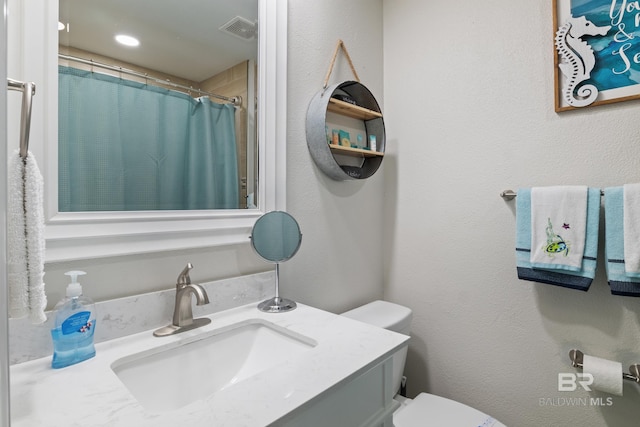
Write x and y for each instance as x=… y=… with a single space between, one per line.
x=428 y=410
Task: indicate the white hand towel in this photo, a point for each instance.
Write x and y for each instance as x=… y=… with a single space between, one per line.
x=631 y=229
x=16 y=244
x=25 y=239
x=558 y=227
x=34 y=212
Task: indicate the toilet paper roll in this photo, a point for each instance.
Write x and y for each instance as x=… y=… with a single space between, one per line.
x=607 y=374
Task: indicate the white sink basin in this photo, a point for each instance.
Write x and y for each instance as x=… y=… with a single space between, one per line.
x=169 y=377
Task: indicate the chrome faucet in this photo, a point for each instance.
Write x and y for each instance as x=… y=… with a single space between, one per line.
x=182 y=314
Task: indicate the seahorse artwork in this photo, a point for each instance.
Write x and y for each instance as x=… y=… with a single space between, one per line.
x=578 y=59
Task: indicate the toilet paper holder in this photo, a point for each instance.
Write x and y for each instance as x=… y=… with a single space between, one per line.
x=577 y=359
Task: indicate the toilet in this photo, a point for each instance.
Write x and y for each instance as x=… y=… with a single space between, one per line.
x=425 y=410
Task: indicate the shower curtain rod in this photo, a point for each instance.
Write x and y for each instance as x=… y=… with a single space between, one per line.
x=236 y=100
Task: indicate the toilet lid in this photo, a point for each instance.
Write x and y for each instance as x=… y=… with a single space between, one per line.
x=428 y=410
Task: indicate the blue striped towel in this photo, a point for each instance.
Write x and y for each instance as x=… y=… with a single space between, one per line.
x=580 y=279
x=619 y=282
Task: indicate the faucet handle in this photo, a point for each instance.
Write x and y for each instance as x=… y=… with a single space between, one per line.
x=183 y=278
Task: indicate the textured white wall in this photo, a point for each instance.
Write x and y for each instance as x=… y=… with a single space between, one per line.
x=339 y=265
x=468 y=90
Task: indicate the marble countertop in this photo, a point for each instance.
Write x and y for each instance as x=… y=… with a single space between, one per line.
x=90 y=393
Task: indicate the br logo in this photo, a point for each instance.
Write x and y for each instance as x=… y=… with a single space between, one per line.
x=568 y=381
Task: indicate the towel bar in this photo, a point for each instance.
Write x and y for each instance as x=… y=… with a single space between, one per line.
x=510 y=194
x=577 y=358
x=28 y=91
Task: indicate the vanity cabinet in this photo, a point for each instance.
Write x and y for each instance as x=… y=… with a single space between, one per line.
x=337 y=374
x=362 y=401
x=341 y=121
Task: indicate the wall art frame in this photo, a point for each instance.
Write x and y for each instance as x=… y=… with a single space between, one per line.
x=597 y=52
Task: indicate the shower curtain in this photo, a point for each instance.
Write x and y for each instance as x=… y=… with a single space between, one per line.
x=127 y=146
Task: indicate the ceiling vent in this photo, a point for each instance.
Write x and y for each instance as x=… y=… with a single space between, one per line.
x=240 y=27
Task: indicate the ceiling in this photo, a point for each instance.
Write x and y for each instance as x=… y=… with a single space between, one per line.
x=177 y=37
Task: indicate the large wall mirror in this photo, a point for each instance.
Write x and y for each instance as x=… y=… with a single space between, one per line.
x=156 y=105
x=175 y=143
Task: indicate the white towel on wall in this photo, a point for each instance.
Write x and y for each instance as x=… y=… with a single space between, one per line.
x=34 y=203
x=17 y=274
x=25 y=239
x=631 y=229
x=558 y=227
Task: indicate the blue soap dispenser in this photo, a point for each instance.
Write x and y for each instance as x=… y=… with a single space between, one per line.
x=75 y=325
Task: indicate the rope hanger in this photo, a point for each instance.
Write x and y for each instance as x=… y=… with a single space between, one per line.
x=339 y=46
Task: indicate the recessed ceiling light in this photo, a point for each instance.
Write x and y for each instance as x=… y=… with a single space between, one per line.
x=127 y=40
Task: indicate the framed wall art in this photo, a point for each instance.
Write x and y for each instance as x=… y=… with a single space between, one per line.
x=597 y=52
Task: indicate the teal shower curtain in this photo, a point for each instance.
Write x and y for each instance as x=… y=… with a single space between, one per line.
x=127 y=146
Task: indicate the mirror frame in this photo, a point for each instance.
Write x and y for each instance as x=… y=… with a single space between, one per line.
x=86 y=235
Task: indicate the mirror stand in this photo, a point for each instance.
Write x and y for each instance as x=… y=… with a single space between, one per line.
x=276 y=238
x=277 y=304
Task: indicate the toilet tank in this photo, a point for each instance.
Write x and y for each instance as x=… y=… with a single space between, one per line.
x=393 y=317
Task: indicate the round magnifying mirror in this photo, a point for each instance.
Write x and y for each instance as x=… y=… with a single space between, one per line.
x=276 y=237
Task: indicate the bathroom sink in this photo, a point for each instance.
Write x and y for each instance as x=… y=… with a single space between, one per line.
x=169 y=377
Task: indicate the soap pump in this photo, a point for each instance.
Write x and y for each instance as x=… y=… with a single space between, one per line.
x=74 y=289
x=74 y=327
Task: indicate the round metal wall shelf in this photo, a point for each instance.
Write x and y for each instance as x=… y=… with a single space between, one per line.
x=360 y=105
